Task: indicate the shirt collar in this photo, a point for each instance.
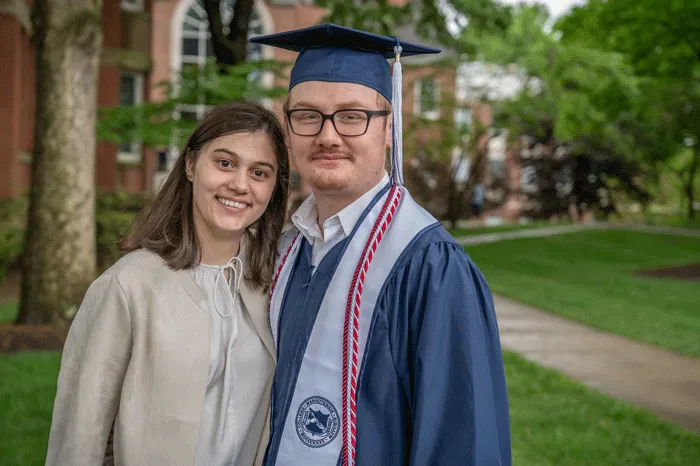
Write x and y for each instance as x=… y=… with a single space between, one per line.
x=306 y=216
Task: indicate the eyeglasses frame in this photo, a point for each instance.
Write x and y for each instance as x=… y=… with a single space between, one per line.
x=331 y=117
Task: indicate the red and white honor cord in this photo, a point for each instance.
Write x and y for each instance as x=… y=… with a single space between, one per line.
x=352 y=325
x=279 y=269
x=351 y=330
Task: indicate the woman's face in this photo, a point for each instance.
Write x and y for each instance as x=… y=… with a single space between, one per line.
x=233 y=179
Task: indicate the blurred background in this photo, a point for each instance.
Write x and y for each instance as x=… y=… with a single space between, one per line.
x=557 y=141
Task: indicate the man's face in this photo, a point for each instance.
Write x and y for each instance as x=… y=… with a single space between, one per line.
x=333 y=164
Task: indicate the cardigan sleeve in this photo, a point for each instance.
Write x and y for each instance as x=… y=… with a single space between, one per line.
x=94 y=362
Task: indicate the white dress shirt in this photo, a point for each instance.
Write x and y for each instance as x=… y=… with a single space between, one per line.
x=335 y=228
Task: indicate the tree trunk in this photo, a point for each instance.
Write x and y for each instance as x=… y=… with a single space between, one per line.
x=59 y=254
x=230 y=49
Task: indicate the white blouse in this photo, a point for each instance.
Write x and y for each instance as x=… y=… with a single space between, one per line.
x=238 y=357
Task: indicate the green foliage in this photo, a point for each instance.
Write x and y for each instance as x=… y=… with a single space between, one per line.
x=168 y=122
x=572 y=92
x=115 y=215
x=8 y=312
x=380 y=17
x=428 y=145
x=662 y=43
x=662 y=39
x=122 y=202
x=12 y=218
x=576 y=100
x=441 y=21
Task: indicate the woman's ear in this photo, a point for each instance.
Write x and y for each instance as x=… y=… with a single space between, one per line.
x=189 y=167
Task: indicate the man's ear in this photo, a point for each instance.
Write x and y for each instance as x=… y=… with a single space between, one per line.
x=389 y=123
x=287 y=135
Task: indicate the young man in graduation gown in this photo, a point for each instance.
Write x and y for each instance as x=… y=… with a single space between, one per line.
x=388 y=348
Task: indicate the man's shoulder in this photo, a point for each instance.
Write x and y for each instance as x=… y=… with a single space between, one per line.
x=289 y=232
x=433 y=235
x=435 y=251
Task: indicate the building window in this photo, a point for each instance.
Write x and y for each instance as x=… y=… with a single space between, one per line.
x=496 y=155
x=427 y=98
x=463 y=117
x=196 y=44
x=528 y=179
x=132 y=5
x=130 y=93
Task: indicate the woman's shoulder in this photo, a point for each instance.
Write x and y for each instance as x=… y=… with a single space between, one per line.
x=138 y=266
x=137 y=260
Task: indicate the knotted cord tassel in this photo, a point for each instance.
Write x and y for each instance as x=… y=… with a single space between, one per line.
x=397 y=123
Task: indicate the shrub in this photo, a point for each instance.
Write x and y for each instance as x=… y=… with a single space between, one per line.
x=112 y=225
x=12 y=220
x=115 y=214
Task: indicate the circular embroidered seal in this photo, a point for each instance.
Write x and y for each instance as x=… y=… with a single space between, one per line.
x=317 y=422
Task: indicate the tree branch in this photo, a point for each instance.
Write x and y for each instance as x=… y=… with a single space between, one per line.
x=238 y=33
x=223 y=49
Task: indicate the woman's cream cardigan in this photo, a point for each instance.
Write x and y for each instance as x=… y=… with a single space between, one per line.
x=137 y=360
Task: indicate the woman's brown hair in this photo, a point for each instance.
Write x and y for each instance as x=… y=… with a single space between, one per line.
x=167 y=227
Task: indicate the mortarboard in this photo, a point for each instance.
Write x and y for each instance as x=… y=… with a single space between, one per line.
x=335 y=53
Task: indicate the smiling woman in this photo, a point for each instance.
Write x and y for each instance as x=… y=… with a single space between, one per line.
x=171 y=351
x=233 y=178
x=235 y=151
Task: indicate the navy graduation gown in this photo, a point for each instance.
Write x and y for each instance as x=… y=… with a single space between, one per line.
x=432 y=387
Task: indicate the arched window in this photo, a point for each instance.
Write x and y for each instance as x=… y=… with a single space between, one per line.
x=194 y=46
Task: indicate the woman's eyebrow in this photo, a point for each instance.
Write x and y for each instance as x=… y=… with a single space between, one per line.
x=227 y=151
x=265 y=164
x=234 y=154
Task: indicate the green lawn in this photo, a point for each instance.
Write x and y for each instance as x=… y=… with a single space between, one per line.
x=27 y=391
x=589 y=277
x=8 y=312
x=555 y=422
x=558 y=422
x=485 y=230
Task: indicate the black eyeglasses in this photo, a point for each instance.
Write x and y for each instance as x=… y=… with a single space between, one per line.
x=348 y=122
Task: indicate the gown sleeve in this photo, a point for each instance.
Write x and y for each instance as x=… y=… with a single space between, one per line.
x=93 y=365
x=455 y=375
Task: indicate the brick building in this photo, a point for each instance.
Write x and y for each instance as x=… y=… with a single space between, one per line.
x=145 y=42
x=149 y=41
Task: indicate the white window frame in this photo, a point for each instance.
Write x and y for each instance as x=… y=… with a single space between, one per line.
x=132 y=5
x=464 y=117
x=497 y=153
x=418 y=92
x=264 y=21
x=528 y=179
x=136 y=154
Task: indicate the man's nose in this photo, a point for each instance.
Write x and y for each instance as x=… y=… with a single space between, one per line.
x=328 y=135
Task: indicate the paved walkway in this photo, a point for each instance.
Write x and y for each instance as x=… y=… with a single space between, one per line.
x=560 y=230
x=526 y=233
x=663 y=382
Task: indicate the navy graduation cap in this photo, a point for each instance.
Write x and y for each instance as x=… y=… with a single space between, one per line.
x=333 y=53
